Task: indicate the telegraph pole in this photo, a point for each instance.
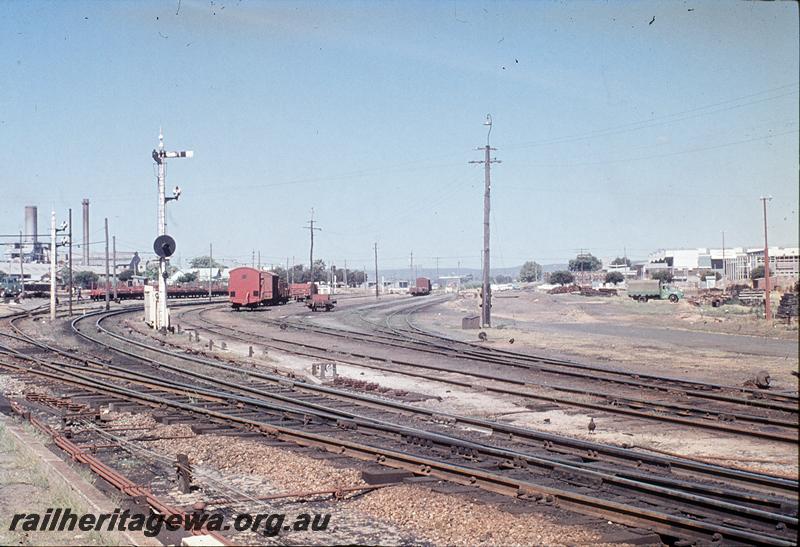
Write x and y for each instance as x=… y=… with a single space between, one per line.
x=210 y=267
x=21 y=268
x=108 y=280
x=437 y=269
x=114 y=264
x=291 y=274
x=160 y=156
x=377 y=292
x=411 y=267
x=70 y=262
x=486 y=305
x=345 y=274
x=724 y=269
x=767 y=306
x=53 y=258
x=311 y=229
x=52 y=266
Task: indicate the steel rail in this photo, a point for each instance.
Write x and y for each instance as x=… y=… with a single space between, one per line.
x=445 y=346
x=612 y=398
x=465 y=475
x=517 y=432
x=111 y=476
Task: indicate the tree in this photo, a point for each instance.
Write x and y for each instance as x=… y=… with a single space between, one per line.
x=614 y=277
x=585 y=263
x=757 y=272
x=355 y=277
x=204 y=262
x=125 y=275
x=151 y=271
x=188 y=277
x=530 y=271
x=561 y=278
x=84 y=279
x=281 y=273
x=619 y=261
x=707 y=273
x=662 y=275
x=501 y=279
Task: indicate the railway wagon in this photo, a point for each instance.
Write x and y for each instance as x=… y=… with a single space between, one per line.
x=251 y=288
x=321 y=302
x=422 y=287
x=302 y=291
x=136 y=292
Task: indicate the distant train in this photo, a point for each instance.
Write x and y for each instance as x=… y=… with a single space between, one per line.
x=136 y=292
x=251 y=288
x=422 y=287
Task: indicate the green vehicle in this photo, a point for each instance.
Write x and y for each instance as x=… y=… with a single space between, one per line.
x=652 y=289
x=9 y=287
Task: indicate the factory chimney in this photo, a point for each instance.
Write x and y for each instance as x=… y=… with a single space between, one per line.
x=31 y=225
x=85 y=232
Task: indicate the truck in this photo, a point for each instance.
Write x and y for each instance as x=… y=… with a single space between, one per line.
x=653 y=289
x=9 y=287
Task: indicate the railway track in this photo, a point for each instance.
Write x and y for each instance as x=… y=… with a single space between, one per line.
x=773 y=418
x=494 y=467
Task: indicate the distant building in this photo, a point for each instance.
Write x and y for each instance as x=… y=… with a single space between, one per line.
x=735 y=264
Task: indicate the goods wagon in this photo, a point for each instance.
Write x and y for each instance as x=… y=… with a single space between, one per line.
x=302 y=291
x=136 y=292
x=422 y=287
x=321 y=302
x=251 y=288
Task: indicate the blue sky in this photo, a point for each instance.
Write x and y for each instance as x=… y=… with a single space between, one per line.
x=614 y=133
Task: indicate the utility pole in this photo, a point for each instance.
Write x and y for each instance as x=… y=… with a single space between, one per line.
x=411 y=268
x=21 y=268
x=724 y=269
x=437 y=269
x=377 y=292
x=53 y=258
x=210 y=267
x=108 y=281
x=160 y=156
x=114 y=264
x=486 y=305
x=345 y=274
x=311 y=229
x=70 y=262
x=52 y=266
x=85 y=204
x=767 y=304
x=253 y=258
x=291 y=274
x=259 y=259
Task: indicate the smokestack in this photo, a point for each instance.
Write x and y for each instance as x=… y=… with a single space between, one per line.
x=85 y=232
x=31 y=225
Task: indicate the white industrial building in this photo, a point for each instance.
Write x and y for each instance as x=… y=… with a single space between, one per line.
x=735 y=263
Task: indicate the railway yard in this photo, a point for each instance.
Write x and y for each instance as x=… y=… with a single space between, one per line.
x=404 y=428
